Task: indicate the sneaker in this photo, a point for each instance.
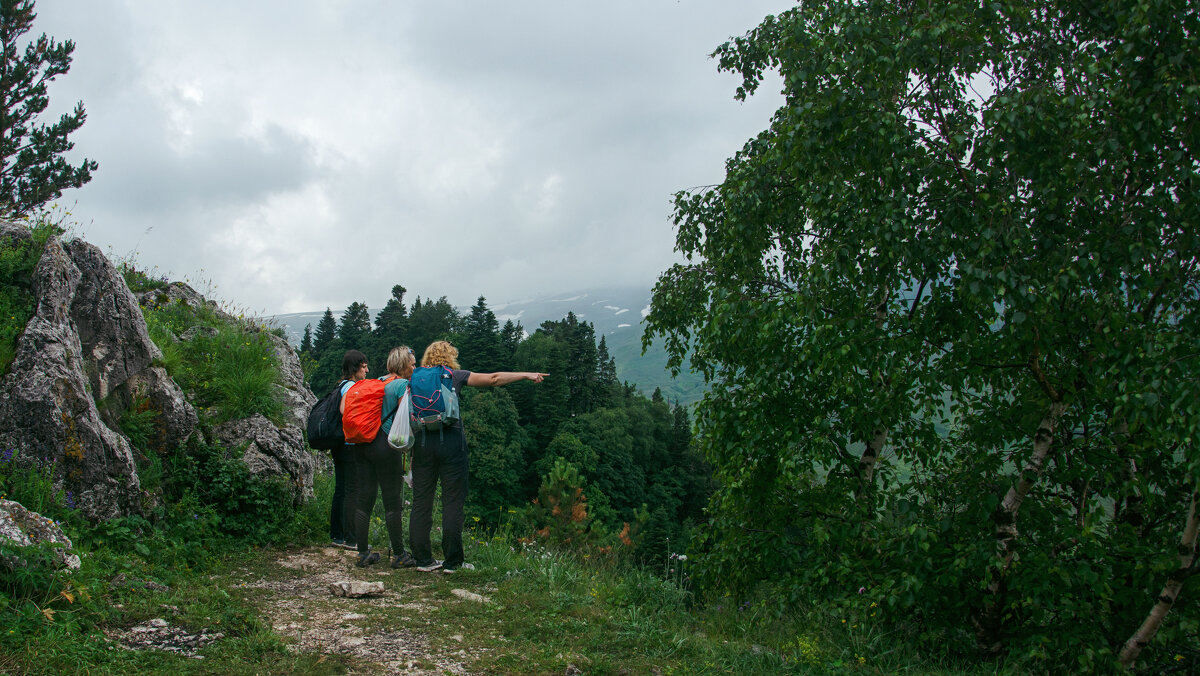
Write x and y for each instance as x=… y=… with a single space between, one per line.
x=403 y=560
x=431 y=567
x=365 y=560
x=338 y=543
x=349 y=544
x=461 y=566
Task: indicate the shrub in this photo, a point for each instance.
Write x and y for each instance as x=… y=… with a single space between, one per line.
x=17 y=262
x=242 y=504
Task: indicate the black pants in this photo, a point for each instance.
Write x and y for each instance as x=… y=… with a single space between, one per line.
x=439 y=457
x=379 y=471
x=341 y=512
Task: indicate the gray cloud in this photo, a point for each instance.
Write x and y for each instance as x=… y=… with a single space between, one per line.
x=308 y=154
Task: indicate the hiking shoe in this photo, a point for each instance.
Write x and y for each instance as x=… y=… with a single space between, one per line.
x=431 y=567
x=349 y=544
x=338 y=543
x=365 y=560
x=403 y=560
x=461 y=566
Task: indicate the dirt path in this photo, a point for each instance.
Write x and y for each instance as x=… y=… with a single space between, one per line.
x=379 y=634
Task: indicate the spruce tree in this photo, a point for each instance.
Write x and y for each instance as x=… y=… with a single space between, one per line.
x=306 y=343
x=479 y=347
x=355 y=327
x=32 y=168
x=325 y=336
x=391 y=328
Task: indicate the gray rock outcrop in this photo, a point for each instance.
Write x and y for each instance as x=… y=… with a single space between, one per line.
x=272 y=450
x=47 y=403
x=23 y=528
x=86 y=358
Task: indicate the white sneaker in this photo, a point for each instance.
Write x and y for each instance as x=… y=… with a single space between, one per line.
x=462 y=566
x=431 y=567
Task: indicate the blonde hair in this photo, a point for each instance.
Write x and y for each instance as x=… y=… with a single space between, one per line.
x=440 y=353
x=400 y=358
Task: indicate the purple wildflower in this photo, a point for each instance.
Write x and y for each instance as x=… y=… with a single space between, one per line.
x=70 y=500
x=7 y=455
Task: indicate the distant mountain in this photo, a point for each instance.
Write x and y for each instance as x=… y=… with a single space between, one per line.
x=616 y=313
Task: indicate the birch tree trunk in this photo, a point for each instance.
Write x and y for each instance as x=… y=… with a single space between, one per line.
x=989 y=623
x=1187 y=556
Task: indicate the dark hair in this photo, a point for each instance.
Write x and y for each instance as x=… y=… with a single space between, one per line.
x=351 y=362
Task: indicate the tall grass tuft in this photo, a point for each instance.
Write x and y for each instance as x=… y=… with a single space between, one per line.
x=228 y=365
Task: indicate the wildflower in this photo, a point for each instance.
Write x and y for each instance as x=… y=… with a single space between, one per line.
x=7 y=455
x=70 y=500
x=862 y=590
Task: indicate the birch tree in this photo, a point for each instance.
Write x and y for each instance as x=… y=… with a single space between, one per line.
x=947 y=306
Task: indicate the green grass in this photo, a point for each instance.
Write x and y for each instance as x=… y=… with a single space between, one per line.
x=17 y=262
x=229 y=367
x=547 y=610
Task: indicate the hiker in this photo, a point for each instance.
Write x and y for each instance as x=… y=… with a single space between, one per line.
x=442 y=456
x=381 y=469
x=341 y=513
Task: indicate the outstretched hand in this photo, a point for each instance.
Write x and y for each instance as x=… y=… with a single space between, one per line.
x=536 y=377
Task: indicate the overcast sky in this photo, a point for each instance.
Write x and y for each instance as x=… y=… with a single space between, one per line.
x=289 y=156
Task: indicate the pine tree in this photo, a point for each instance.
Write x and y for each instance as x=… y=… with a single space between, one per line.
x=479 y=346
x=579 y=340
x=326 y=351
x=32 y=169
x=510 y=337
x=325 y=336
x=355 y=327
x=391 y=328
x=306 y=343
x=430 y=321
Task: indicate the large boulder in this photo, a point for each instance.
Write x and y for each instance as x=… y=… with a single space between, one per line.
x=298 y=399
x=23 y=528
x=86 y=358
x=47 y=407
x=272 y=450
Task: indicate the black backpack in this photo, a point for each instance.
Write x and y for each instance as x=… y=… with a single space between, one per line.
x=325 y=421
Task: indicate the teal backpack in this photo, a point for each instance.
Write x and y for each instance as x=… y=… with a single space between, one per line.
x=434 y=402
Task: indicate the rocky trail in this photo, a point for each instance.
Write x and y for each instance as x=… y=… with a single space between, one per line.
x=297 y=593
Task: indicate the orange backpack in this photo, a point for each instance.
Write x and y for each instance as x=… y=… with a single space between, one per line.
x=364 y=410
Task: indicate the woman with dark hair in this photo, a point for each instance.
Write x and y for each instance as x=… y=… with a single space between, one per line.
x=380 y=469
x=442 y=456
x=341 y=512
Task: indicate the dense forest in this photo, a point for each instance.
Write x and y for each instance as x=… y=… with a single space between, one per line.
x=631 y=454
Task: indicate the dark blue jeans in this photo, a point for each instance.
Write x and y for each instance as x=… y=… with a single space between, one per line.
x=439 y=457
x=345 y=481
x=379 y=471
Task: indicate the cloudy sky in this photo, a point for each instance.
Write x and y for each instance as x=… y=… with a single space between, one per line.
x=289 y=156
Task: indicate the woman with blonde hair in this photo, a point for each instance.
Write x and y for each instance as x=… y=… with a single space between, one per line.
x=442 y=457
x=380 y=470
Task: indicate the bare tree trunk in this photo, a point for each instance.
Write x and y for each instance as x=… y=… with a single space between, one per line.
x=1187 y=555
x=988 y=624
x=870 y=456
